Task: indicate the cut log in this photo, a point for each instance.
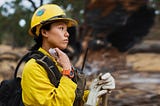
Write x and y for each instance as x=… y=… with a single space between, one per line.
x=146 y=47
x=10 y=56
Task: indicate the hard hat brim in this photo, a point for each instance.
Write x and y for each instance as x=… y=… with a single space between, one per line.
x=69 y=22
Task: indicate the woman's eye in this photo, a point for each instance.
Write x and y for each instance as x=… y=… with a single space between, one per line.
x=62 y=28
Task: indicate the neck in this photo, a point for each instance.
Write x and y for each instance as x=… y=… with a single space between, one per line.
x=45 y=46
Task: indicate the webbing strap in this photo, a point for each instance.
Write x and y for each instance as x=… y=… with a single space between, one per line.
x=53 y=73
x=24 y=58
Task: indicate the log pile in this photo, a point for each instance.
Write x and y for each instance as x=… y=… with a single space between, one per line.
x=9 y=58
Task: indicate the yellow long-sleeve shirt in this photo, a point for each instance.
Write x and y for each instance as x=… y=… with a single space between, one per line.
x=37 y=90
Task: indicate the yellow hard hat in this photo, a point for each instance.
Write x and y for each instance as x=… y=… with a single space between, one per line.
x=48 y=13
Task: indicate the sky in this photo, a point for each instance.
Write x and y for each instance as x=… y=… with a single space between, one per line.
x=3 y=1
x=24 y=2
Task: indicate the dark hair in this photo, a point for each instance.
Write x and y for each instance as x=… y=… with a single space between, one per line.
x=39 y=39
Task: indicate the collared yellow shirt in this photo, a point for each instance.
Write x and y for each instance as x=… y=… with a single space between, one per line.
x=37 y=90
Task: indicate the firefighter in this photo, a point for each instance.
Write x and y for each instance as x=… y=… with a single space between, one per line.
x=49 y=25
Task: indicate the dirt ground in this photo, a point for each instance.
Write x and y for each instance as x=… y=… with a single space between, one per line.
x=137 y=75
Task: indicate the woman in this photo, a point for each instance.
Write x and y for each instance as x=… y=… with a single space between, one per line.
x=49 y=29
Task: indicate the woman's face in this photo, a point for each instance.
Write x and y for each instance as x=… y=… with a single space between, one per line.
x=57 y=36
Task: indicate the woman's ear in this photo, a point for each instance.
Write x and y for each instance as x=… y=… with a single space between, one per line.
x=44 y=32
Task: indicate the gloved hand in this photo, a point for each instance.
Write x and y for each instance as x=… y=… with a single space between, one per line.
x=107 y=82
x=99 y=87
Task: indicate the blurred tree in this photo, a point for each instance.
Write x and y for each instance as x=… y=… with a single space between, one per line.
x=15 y=18
x=14 y=26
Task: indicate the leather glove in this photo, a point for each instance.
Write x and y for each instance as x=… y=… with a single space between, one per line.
x=107 y=82
x=99 y=87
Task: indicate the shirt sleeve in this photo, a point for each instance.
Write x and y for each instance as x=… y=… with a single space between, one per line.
x=85 y=96
x=37 y=89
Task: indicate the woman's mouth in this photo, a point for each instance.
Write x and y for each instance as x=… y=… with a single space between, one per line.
x=66 y=40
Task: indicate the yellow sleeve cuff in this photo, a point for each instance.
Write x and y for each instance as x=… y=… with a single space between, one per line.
x=85 y=96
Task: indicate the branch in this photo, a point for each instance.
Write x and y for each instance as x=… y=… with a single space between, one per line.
x=33 y=4
x=41 y=2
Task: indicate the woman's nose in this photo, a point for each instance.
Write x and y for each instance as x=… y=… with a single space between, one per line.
x=66 y=34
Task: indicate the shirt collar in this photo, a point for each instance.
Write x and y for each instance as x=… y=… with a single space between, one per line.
x=46 y=53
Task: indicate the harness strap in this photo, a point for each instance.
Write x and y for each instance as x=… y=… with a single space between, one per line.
x=53 y=73
x=24 y=58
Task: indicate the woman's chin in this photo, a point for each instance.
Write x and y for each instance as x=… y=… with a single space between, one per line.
x=63 y=47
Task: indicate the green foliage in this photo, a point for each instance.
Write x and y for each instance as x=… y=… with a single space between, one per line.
x=11 y=32
x=14 y=34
